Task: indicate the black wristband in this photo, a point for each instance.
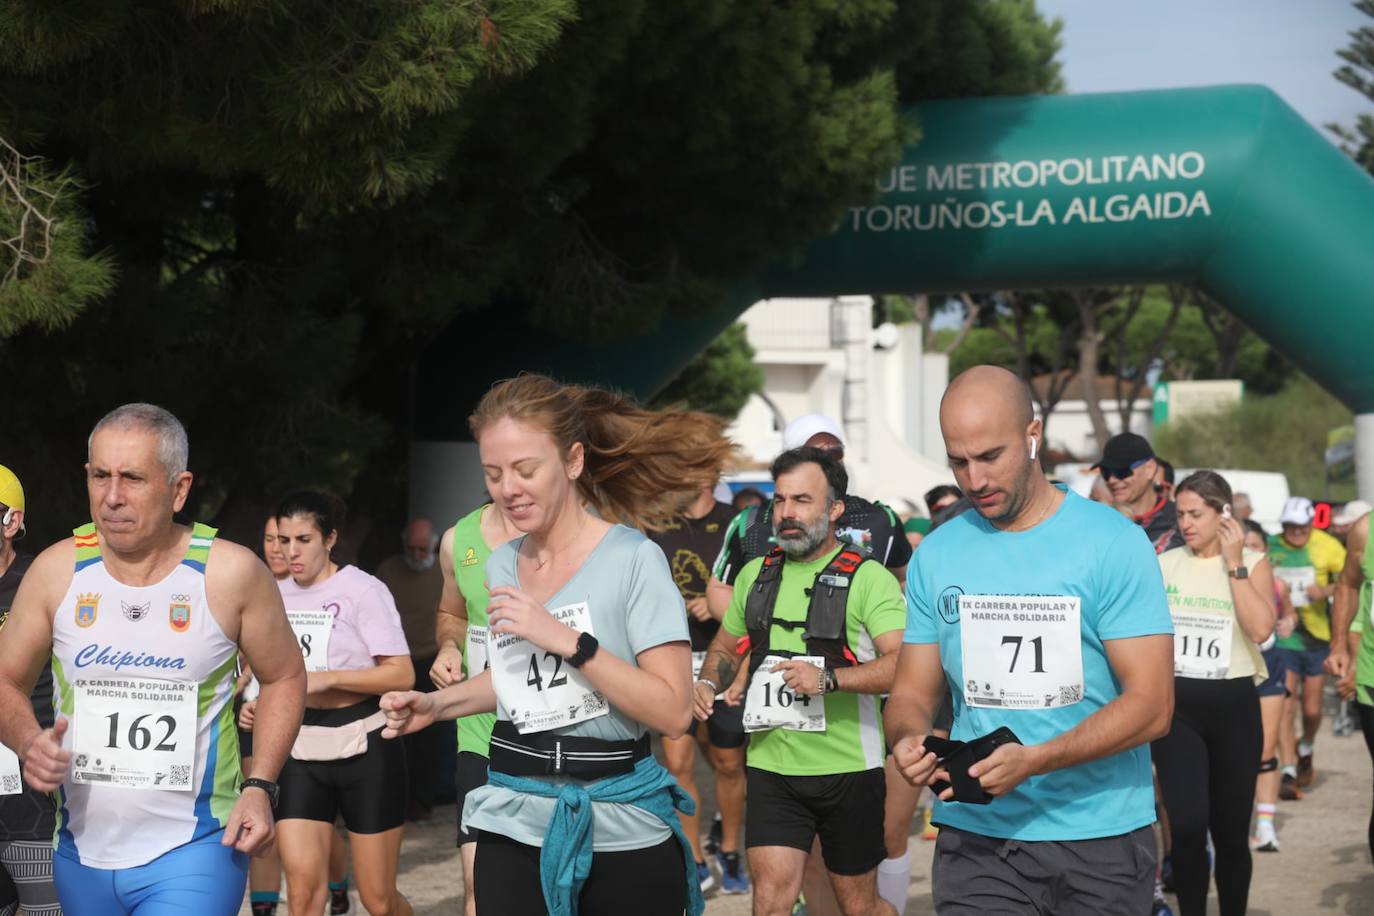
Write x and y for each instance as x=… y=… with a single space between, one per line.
x=832 y=683
x=586 y=648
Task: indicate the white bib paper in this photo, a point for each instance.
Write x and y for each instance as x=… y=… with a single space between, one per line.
x=1202 y=646
x=539 y=690
x=11 y=783
x=135 y=733
x=313 y=629
x=1298 y=579
x=698 y=659
x=475 y=652
x=1021 y=651
x=770 y=703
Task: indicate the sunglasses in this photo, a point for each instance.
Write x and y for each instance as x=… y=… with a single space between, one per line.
x=1121 y=473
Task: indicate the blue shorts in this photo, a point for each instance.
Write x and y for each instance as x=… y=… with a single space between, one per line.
x=1306 y=662
x=1278 y=669
x=201 y=877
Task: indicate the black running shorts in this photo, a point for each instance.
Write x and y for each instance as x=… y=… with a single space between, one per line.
x=846 y=810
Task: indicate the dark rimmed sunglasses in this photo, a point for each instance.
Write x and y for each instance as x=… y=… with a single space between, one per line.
x=1120 y=473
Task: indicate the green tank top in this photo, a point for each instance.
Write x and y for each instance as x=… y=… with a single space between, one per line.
x=1364 y=659
x=470 y=554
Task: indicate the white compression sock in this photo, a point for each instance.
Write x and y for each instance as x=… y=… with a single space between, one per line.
x=894 y=876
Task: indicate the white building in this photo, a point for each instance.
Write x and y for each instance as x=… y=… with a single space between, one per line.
x=824 y=356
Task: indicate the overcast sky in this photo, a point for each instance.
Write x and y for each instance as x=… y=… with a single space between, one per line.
x=1288 y=45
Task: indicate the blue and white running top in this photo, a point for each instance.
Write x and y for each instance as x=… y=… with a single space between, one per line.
x=146 y=677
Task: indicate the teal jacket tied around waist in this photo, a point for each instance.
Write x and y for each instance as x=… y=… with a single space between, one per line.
x=566 y=858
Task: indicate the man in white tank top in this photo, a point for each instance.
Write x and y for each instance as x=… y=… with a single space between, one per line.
x=144 y=619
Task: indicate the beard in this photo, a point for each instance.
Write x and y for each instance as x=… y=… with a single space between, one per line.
x=418 y=565
x=798 y=539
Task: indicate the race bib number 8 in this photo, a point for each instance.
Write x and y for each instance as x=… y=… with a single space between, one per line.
x=1202 y=646
x=475 y=653
x=11 y=783
x=539 y=690
x=313 y=629
x=1021 y=651
x=770 y=703
x=134 y=733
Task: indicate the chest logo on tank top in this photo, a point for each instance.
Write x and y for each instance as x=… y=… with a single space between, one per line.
x=136 y=612
x=179 y=615
x=469 y=558
x=86 y=607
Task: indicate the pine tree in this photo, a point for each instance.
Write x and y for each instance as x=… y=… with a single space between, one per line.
x=1358 y=73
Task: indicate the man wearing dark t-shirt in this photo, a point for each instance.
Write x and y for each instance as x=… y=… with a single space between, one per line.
x=690 y=543
x=26 y=815
x=1133 y=475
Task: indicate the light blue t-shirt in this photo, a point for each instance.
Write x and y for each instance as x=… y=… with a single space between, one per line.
x=1087 y=551
x=634 y=606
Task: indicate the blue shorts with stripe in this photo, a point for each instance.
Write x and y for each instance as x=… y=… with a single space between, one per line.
x=200 y=877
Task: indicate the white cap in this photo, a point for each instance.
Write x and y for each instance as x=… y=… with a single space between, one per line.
x=803 y=428
x=1297 y=510
x=1351 y=512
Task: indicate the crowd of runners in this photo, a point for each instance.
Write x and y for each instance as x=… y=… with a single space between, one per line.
x=1085 y=703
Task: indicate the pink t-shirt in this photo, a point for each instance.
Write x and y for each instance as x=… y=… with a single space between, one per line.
x=366 y=624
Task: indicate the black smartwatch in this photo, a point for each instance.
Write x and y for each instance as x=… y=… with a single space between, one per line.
x=586 y=648
x=271 y=788
x=1240 y=572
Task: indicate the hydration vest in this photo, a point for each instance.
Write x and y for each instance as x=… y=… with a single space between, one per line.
x=824 y=630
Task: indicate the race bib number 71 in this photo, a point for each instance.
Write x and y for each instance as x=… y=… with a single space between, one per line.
x=1021 y=651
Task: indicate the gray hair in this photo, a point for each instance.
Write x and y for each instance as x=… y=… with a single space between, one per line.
x=173 y=449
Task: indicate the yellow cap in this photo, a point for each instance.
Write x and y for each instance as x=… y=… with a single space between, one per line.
x=11 y=490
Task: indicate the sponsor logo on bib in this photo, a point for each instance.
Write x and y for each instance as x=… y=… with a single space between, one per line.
x=179 y=615
x=86 y=607
x=136 y=612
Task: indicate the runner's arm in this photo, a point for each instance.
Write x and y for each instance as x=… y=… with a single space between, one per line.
x=874 y=676
x=917 y=691
x=722 y=661
x=26 y=641
x=451 y=620
x=266 y=641
x=392 y=672
x=1143 y=712
x=1347 y=597
x=1253 y=597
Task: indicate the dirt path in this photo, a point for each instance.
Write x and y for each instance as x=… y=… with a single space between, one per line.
x=1324 y=866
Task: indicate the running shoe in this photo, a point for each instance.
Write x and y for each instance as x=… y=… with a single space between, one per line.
x=340 y=903
x=733 y=880
x=1288 y=788
x=1159 y=906
x=704 y=877
x=1306 y=771
x=712 y=845
x=931 y=831
x=1265 y=839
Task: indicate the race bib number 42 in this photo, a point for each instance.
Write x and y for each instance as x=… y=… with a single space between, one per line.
x=134 y=733
x=313 y=629
x=770 y=703
x=539 y=690
x=1021 y=651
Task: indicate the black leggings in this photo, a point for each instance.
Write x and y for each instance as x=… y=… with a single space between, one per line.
x=1208 y=764
x=1366 y=714
x=649 y=882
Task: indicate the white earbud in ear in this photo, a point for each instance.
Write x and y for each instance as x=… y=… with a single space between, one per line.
x=1034 y=447
x=5 y=522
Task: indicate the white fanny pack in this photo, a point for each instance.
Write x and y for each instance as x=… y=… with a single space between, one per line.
x=336 y=742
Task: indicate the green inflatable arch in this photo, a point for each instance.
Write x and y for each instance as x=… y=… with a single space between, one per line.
x=1226 y=188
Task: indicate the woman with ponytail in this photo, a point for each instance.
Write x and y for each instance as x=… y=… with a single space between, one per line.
x=587 y=650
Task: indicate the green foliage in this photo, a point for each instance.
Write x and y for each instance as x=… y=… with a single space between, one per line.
x=720 y=379
x=1285 y=432
x=1358 y=73
x=299 y=198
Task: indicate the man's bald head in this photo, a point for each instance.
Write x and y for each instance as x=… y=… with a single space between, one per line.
x=990 y=388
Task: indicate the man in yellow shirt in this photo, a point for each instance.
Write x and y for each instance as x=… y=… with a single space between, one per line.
x=1307 y=562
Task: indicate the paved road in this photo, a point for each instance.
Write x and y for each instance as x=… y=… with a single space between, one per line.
x=1324 y=866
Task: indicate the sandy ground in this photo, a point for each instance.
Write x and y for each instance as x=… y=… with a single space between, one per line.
x=1324 y=866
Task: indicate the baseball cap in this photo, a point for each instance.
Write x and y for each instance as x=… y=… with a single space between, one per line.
x=1297 y=510
x=1125 y=449
x=11 y=491
x=803 y=428
x=1352 y=512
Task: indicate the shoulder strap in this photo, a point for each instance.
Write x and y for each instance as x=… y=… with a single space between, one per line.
x=87 y=545
x=198 y=551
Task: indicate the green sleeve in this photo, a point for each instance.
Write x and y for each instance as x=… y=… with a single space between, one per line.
x=734 y=617
x=882 y=608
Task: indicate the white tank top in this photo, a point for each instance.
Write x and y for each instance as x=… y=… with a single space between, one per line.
x=145 y=676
